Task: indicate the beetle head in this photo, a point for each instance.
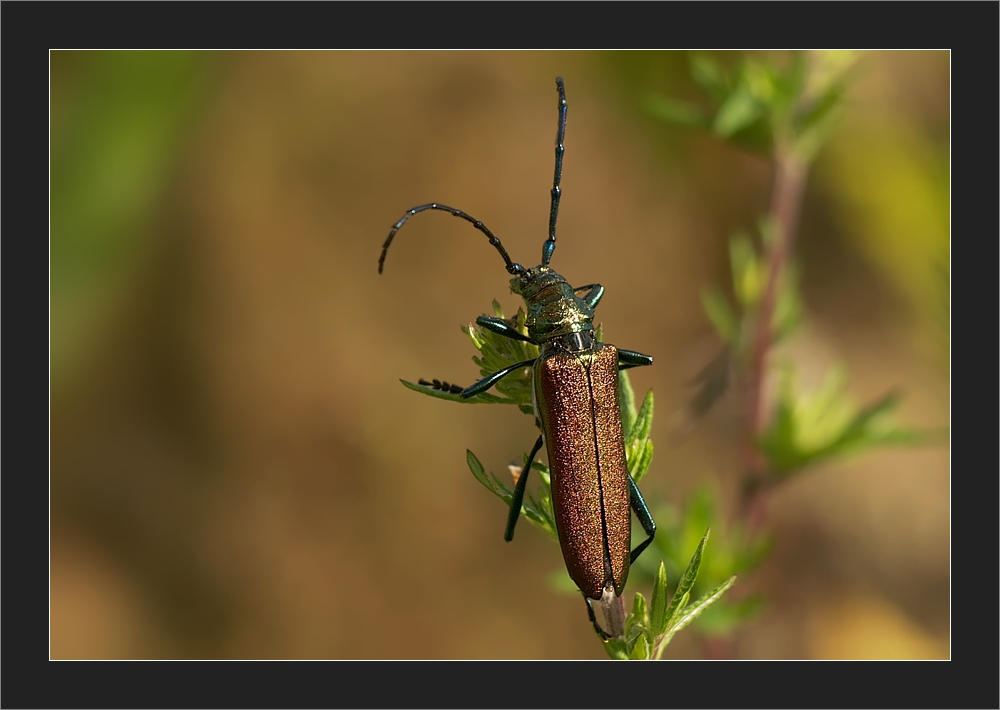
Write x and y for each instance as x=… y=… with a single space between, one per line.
x=531 y=281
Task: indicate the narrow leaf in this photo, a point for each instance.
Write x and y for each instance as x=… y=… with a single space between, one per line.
x=478 y=471
x=474 y=336
x=644 y=420
x=746 y=270
x=710 y=77
x=677 y=608
x=639 y=613
x=658 y=612
x=737 y=112
x=482 y=398
x=640 y=651
x=818 y=123
x=692 y=612
x=626 y=402
x=639 y=463
x=616 y=649
x=690 y=615
x=687 y=580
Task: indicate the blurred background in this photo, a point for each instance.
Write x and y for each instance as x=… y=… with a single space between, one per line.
x=236 y=471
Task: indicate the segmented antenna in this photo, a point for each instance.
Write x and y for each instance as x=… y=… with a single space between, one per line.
x=512 y=267
x=550 y=244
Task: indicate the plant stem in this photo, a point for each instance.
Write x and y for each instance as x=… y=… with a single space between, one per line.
x=786 y=202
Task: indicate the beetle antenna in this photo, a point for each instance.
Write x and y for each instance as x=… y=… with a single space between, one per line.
x=550 y=244
x=512 y=267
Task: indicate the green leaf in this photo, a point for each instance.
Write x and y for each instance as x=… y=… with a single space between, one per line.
x=692 y=612
x=644 y=420
x=538 y=511
x=807 y=428
x=682 y=593
x=658 y=613
x=617 y=649
x=474 y=335
x=638 y=447
x=747 y=278
x=640 y=461
x=477 y=470
x=481 y=398
x=740 y=109
x=760 y=80
x=710 y=77
x=640 y=651
x=788 y=84
x=720 y=314
x=497 y=352
x=818 y=123
x=541 y=469
x=626 y=402
x=639 y=613
x=491 y=482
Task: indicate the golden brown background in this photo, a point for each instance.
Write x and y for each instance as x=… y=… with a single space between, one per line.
x=236 y=471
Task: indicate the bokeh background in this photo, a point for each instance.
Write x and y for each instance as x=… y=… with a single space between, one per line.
x=236 y=471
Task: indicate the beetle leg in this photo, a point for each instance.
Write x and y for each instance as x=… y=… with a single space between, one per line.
x=645 y=519
x=593 y=296
x=518 y=497
x=630 y=358
x=441 y=385
x=490 y=380
x=593 y=619
x=500 y=327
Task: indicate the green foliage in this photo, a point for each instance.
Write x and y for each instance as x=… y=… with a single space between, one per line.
x=812 y=427
x=785 y=108
x=678 y=530
x=637 y=426
x=750 y=273
x=648 y=631
x=787 y=113
x=805 y=428
x=760 y=105
x=495 y=353
x=734 y=324
x=643 y=639
x=536 y=510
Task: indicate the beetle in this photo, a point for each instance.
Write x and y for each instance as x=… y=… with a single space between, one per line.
x=575 y=399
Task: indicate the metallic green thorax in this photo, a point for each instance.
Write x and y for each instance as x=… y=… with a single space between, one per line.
x=553 y=309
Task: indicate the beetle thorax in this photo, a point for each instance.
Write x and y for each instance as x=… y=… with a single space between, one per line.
x=553 y=309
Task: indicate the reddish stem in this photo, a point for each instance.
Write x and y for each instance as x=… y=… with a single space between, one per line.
x=786 y=202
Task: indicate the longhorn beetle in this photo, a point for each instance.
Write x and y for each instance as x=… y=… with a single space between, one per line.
x=575 y=400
